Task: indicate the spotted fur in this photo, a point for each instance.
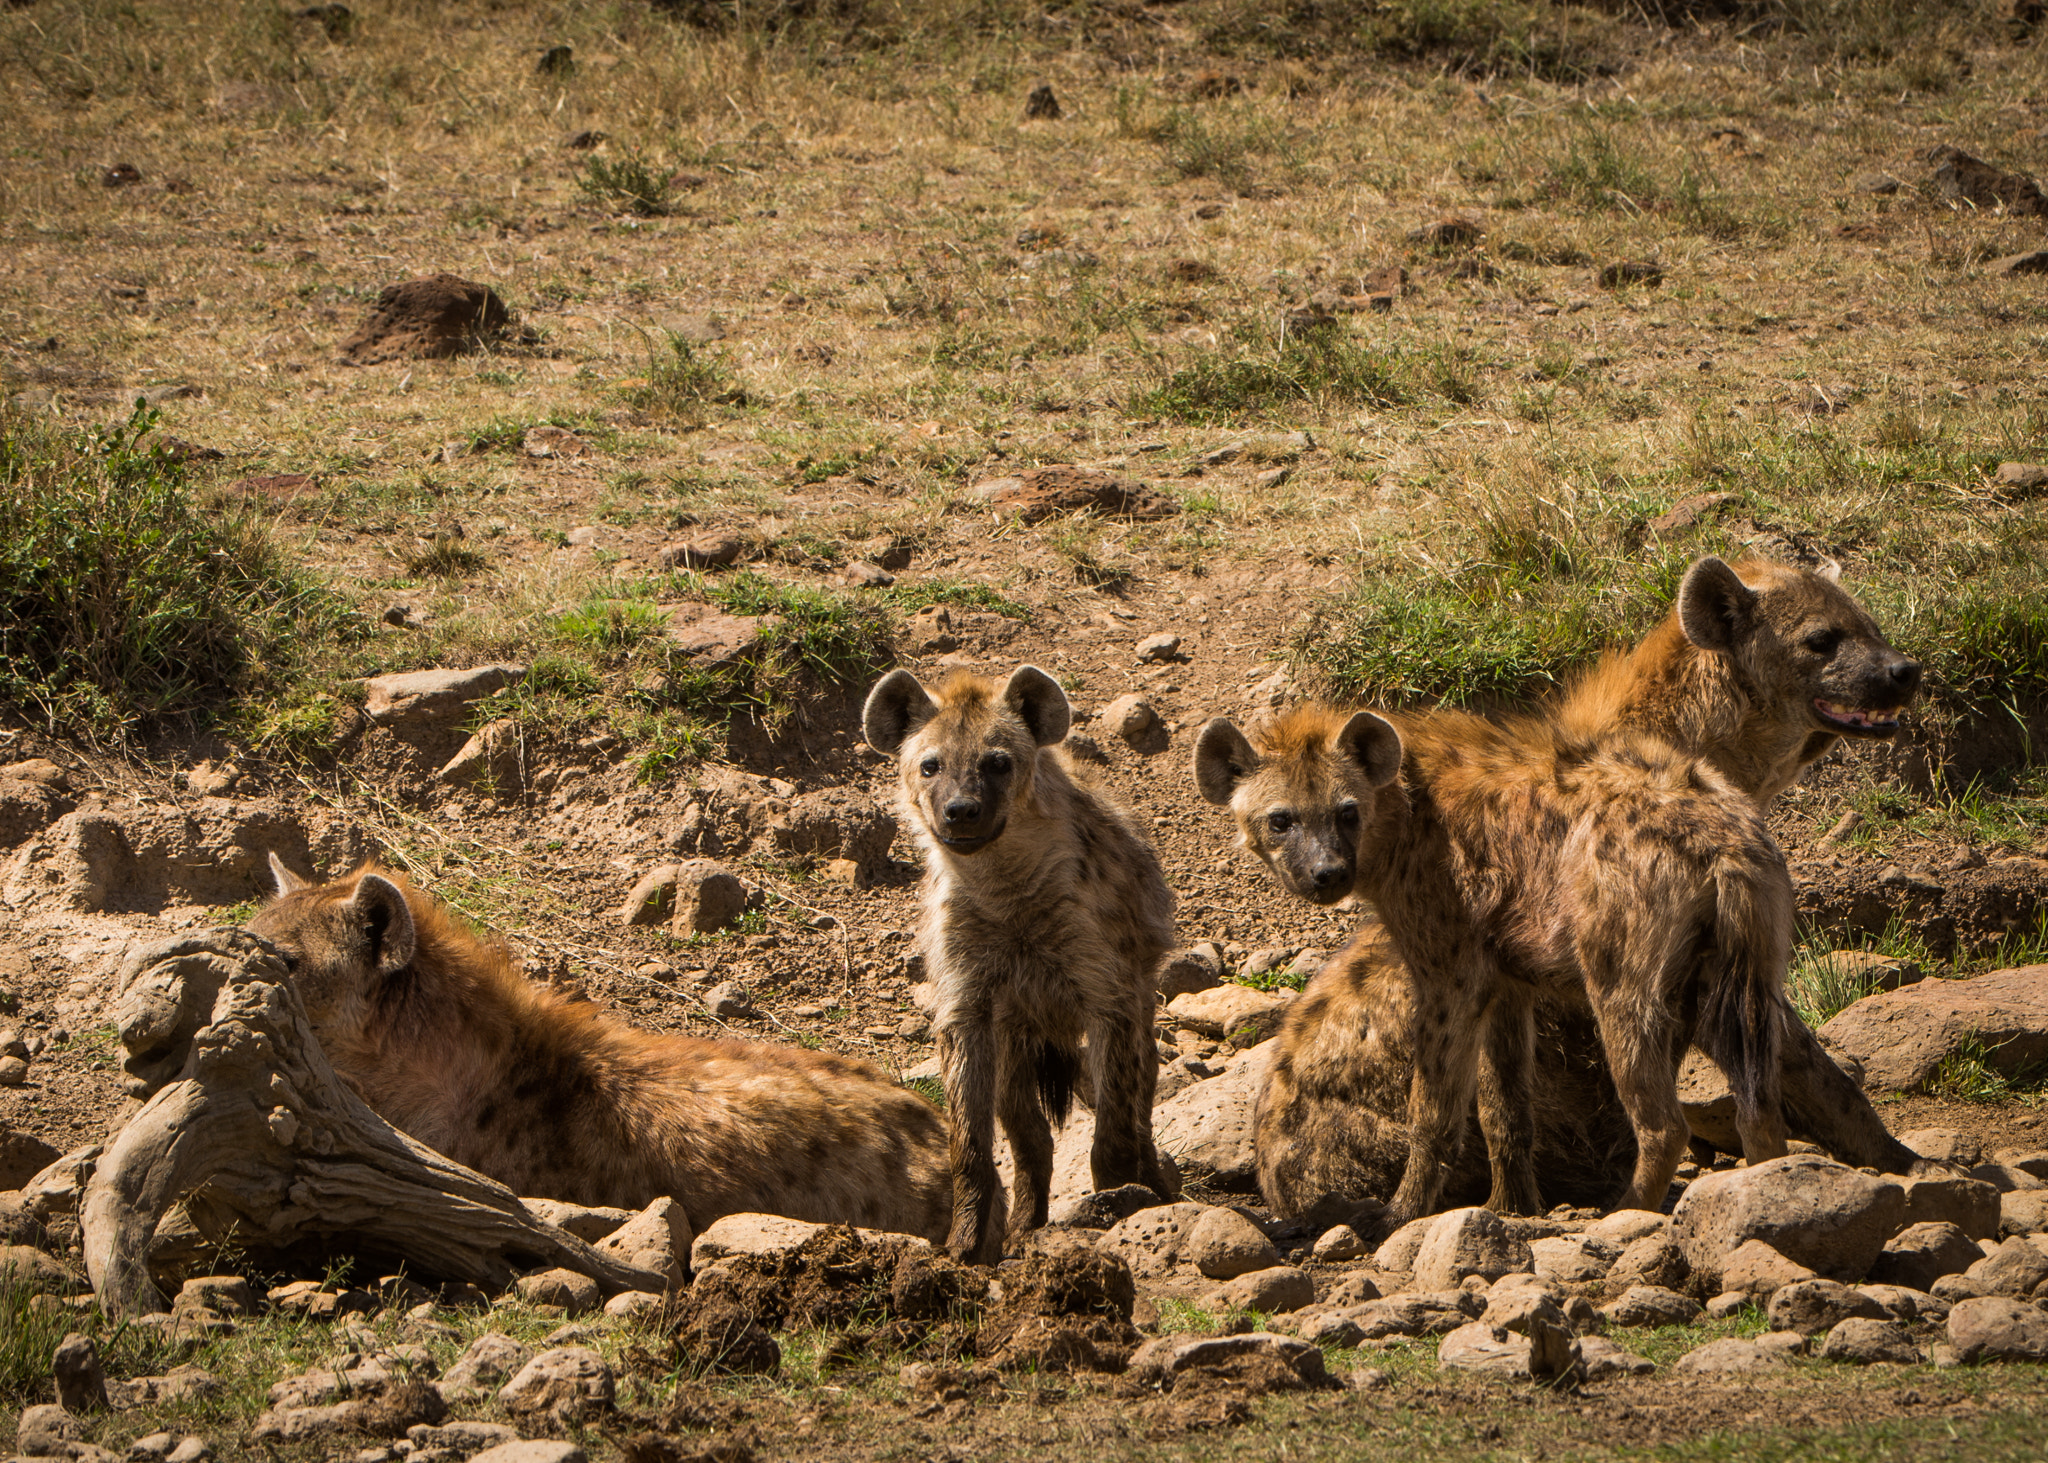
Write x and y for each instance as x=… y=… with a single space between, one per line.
x=445 y=1039
x=1045 y=919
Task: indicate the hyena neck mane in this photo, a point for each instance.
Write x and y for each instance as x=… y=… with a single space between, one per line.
x=1697 y=700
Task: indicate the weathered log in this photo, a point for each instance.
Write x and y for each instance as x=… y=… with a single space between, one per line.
x=245 y=1114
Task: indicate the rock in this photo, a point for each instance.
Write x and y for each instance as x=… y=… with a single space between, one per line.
x=1186 y=972
x=1902 y=1303
x=1158 y=649
x=81 y=1381
x=1651 y=1305
x=588 y=1223
x=1966 y=179
x=418 y=698
x=1730 y=1354
x=728 y=1001
x=45 y=1430
x=1272 y=1291
x=1600 y=1359
x=1103 y=1208
x=1921 y=1254
x=576 y=1294
x=541 y=1450
x=1223 y=1244
x=1881 y=184
x=1573 y=1257
x=634 y=1306
x=657 y=1239
x=1208 y=1128
x=1814 y=1211
x=1902 y=1037
x=13 y=1072
x=1416 y=1313
x=1727 y=1305
x=1862 y=1341
x=2024 y=1211
x=1045 y=492
x=461 y=1438
x=652 y=899
x=1238 y=1012
x=1517 y=1307
x=2013 y=479
x=2013 y=1268
x=1996 y=1328
x=706 y=551
x=1690 y=512
x=1154 y=1241
x=1478 y=1347
x=1169 y=1356
x=712 y=639
x=709 y=897
x=425 y=319
x=560 y=442
x=1655 y=1259
x=489 y=1362
x=2005 y=1180
x=1970 y=1204
x=22 y=1157
x=1755 y=1269
x=490 y=760
x=1468 y=1242
x=1811 y=1307
x=1626 y=1226
x=1398 y=1251
x=773 y=1235
x=1338 y=1243
x=35 y=1272
x=1785 y=1344
x=862 y=575
x=569 y=1381
x=1130 y=716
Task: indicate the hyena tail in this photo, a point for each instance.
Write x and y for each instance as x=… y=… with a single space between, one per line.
x=1742 y=1007
x=1059 y=1067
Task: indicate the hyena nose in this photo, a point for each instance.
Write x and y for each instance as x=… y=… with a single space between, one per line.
x=1329 y=876
x=963 y=810
x=1905 y=675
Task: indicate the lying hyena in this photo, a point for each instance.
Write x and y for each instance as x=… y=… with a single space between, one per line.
x=444 y=1039
x=1046 y=917
x=1759 y=670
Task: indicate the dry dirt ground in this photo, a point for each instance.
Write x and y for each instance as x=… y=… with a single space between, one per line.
x=893 y=287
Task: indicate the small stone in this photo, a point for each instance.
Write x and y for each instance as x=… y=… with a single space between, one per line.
x=490 y=1361
x=1812 y=1307
x=1862 y=1341
x=2034 y=261
x=1159 y=648
x=536 y=1450
x=1187 y=972
x=1651 y=1305
x=1130 y=716
x=13 y=1071
x=1730 y=1354
x=657 y=1240
x=569 y=1381
x=1041 y=105
x=706 y=551
x=1466 y=1242
x=652 y=898
x=1272 y=1291
x=576 y=1294
x=728 y=1001
x=863 y=575
x=1881 y=184
x=558 y=442
x=1921 y=1254
x=1224 y=1244
x=2023 y=478
x=1574 y=1257
x=633 y=1305
x=1997 y=1328
x=81 y=1381
x=1631 y=272
x=1337 y=1244
x=709 y=897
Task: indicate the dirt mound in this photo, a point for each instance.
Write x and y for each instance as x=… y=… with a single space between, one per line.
x=1068 y=1310
x=427 y=319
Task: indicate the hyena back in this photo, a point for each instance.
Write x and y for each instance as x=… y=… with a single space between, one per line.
x=444 y=1038
x=1046 y=917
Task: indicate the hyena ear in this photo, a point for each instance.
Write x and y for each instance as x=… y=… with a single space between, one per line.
x=1037 y=697
x=1830 y=570
x=1374 y=745
x=287 y=881
x=896 y=707
x=379 y=910
x=1223 y=759
x=1715 y=608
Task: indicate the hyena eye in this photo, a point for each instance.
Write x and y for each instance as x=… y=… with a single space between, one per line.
x=1279 y=822
x=1347 y=814
x=929 y=767
x=996 y=762
x=1823 y=642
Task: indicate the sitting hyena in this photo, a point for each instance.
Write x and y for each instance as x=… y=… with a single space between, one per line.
x=447 y=1041
x=1758 y=671
x=1046 y=917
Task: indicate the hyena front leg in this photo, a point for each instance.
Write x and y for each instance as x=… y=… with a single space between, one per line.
x=1030 y=1134
x=1507 y=1093
x=1646 y=1081
x=1446 y=1041
x=968 y=1061
x=1123 y=1064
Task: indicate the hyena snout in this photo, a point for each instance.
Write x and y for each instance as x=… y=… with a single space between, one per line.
x=965 y=817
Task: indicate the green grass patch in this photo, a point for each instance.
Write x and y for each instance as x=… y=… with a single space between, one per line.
x=1970 y=1074
x=122 y=604
x=683 y=379
x=628 y=183
x=965 y=594
x=1315 y=370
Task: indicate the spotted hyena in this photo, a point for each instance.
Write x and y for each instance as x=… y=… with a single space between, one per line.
x=444 y=1038
x=1758 y=670
x=1045 y=919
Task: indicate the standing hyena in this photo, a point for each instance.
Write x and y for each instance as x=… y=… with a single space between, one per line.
x=1509 y=861
x=1046 y=917
x=1759 y=670
x=446 y=1040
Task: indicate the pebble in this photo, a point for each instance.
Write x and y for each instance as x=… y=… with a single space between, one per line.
x=1160 y=647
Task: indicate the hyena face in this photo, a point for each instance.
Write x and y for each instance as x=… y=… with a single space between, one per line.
x=1304 y=793
x=1801 y=642
x=340 y=941
x=966 y=756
